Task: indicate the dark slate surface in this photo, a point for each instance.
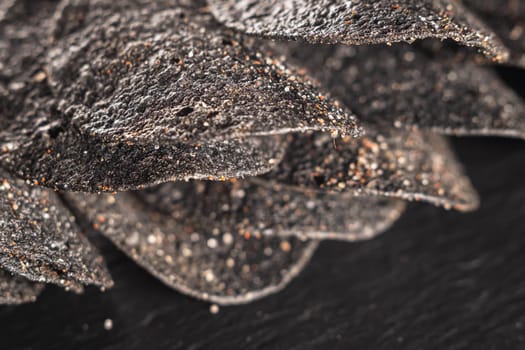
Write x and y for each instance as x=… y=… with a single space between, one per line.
x=438 y=279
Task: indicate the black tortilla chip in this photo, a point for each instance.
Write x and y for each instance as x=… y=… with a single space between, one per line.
x=174 y=75
x=359 y=22
x=55 y=155
x=198 y=258
x=402 y=164
x=244 y=207
x=404 y=87
x=40 y=241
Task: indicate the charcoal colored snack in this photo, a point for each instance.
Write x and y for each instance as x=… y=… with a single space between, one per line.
x=359 y=22
x=409 y=165
x=195 y=257
x=194 y=82
x=406 y=87
x=244 y=206
x=40 y=241
x=61 y=158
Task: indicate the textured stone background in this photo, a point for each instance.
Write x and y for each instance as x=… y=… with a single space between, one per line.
x=436 y=280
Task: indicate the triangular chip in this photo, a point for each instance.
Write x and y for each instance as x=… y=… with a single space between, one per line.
x=199 y=258
x=359 y=22
x=403 y=87
x=175 y=76
x=40 y=241
x=246 y=207
x=310 y=215
x=17 y=290
x=407 y=165
x=56 y=155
